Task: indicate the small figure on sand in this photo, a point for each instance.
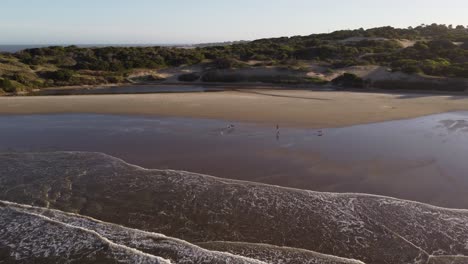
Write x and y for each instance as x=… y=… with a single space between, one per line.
x=277 y=132
x=229 y=129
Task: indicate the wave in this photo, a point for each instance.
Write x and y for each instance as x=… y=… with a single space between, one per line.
x=126 y=245
x=202 y=209
x=28 y=236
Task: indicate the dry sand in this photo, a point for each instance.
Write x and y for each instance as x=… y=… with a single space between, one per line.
x=299 y=108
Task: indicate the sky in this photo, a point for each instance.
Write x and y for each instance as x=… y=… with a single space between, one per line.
x=203 y=21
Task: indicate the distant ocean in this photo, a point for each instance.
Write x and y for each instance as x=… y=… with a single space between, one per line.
x=16 y=48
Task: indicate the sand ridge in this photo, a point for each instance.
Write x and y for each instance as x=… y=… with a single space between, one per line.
x=296 y=108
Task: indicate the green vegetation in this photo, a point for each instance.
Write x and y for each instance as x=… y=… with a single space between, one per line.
x=232 y=77
x=7 y=86
x=349 y=80
x=436 y=57
x=189 y=77
x=436 y=50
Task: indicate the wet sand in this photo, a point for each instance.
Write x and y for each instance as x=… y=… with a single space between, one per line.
x=295 y=108
x=421 y=159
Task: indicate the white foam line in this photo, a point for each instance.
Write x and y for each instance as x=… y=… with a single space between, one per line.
x=448 y=256
x=129 y=249
x=232 y=181
x=288 y=248
x=77 y=215
x=126 y=228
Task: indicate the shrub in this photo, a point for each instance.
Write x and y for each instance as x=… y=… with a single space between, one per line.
x=115 y=79
x=434 y=67
x=346 y=63
x=410 y=69
x=7 y=86
x=149 y=78
x=62 y=75
x=224 y=76
x=408 y=66
x=227 y=63
x=349 y=80
x=442 y=44
x=189 y=77
x=465 y=45
x=214 y=76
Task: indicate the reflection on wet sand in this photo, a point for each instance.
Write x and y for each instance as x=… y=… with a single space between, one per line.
x=454 y=125
x=419 y=159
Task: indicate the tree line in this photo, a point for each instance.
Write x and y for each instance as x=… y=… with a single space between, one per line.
x=439 y=50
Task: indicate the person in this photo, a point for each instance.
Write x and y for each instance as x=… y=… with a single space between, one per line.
x=229 y=129
x=277 y=132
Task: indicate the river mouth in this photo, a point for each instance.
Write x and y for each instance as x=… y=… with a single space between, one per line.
x=423 y=159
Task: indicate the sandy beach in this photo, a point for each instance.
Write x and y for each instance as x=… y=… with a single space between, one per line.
x=300 y=108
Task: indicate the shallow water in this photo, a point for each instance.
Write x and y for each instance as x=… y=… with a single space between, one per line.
x=423 y=159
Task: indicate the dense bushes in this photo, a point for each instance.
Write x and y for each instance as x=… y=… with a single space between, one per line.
x=464 y=45
x=189 y=77
x=438 y=58
x=231 y=77
x=216 y=76
x=435 y=53
x=61 y=75
x=7 y=86
x=407 y=66
x=380 y=47
x=111 y=58
x=349 y=80
x=435 y=67
x=227 y=63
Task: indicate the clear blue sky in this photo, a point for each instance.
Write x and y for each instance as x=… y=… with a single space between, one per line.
x=195 y=21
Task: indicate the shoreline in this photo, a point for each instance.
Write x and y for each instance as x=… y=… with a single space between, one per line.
x=220 y=86
x=287 y=107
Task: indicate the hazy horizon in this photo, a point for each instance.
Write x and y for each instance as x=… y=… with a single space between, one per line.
x=186 y=22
